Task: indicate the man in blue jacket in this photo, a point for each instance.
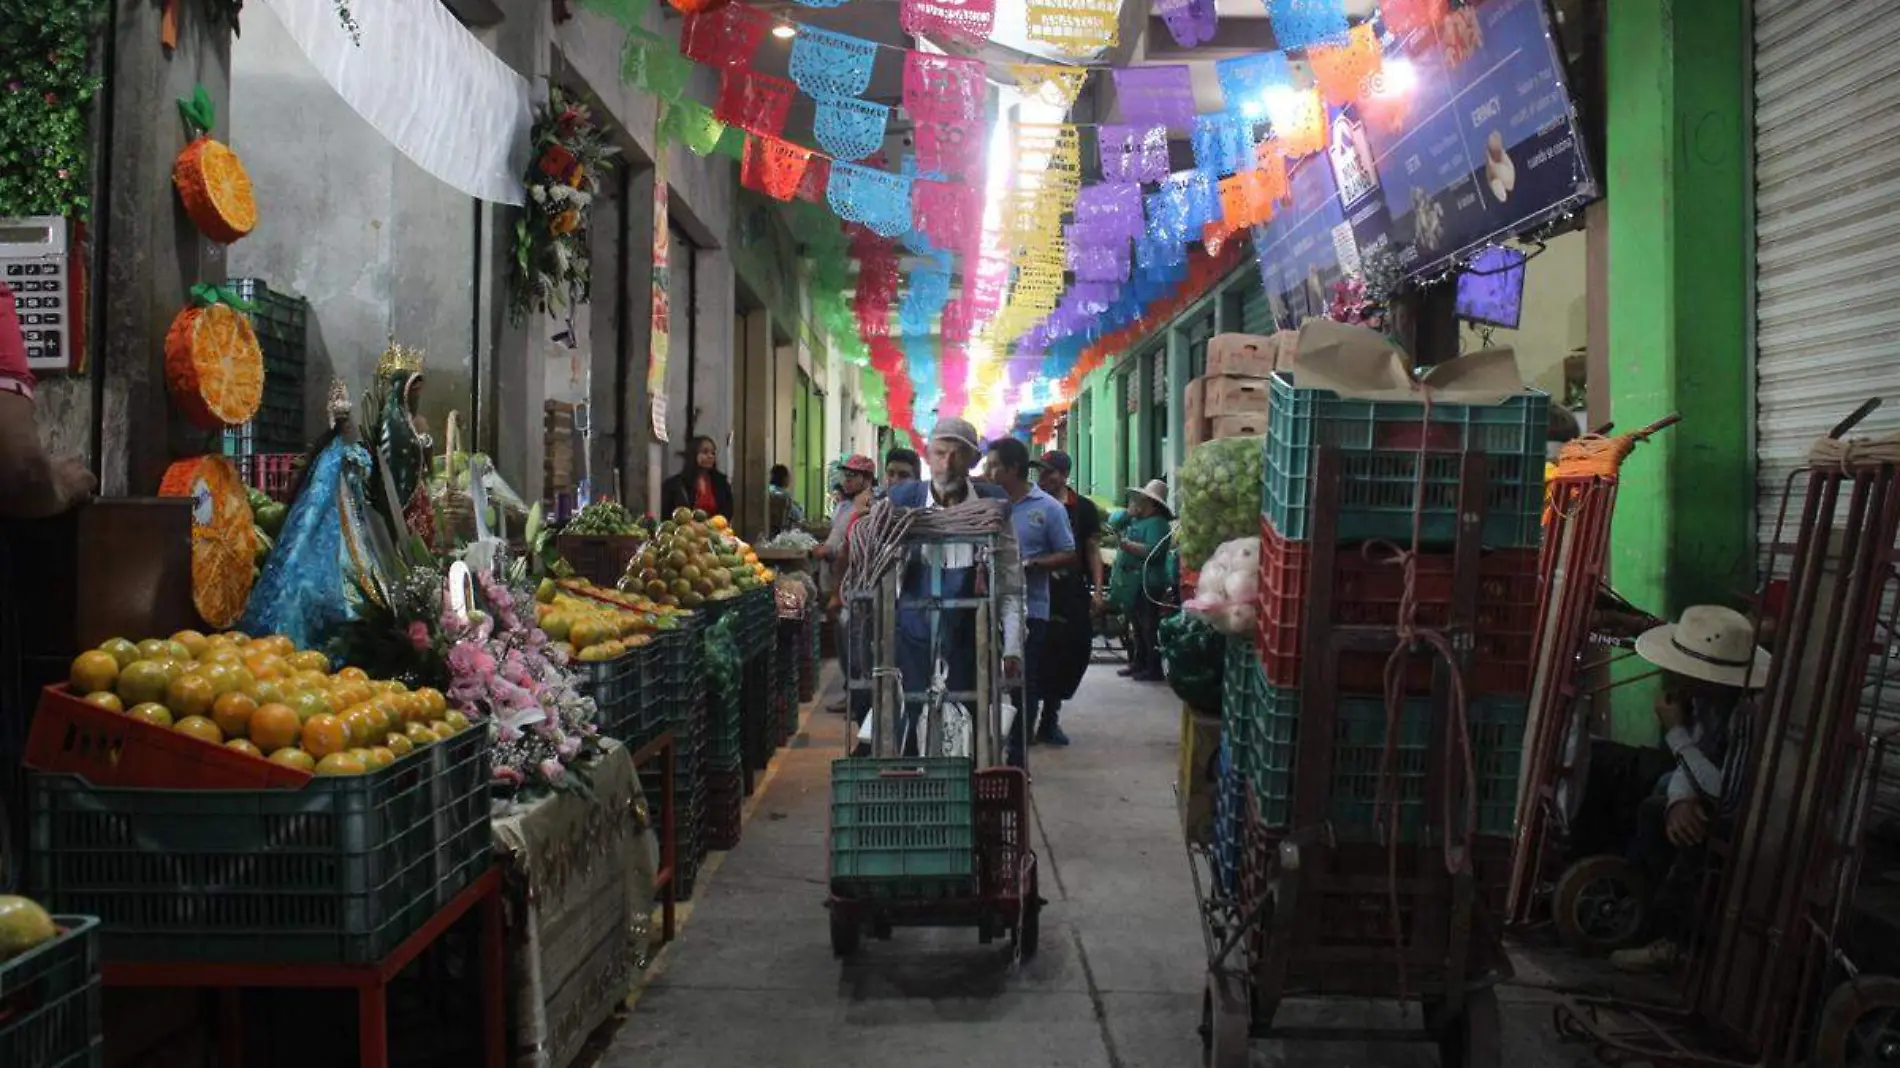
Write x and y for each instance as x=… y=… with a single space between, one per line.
x=953 y=449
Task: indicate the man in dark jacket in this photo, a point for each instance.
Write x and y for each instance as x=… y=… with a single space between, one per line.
x=1075 y=595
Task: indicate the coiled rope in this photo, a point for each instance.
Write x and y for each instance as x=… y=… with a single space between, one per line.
x=877 y=540
x=1855 y=454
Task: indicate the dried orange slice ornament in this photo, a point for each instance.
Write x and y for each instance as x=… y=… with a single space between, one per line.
x=211 y=179
x=213 y=363
x=222 y=538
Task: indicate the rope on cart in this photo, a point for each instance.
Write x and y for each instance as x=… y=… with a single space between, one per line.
x=1850 y=454
x=877 y=541
x=1025 y=868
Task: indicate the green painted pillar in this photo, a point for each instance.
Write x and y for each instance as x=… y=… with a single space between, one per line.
x=1136 y=447
x=1680 y=239
x=1178 y=375
x=1103 y=424
x=1079 y=433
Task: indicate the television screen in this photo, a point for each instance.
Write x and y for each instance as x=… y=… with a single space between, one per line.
x=1491 y=290
x=1469 y=136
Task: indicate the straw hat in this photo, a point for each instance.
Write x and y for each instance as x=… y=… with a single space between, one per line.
x=1709 y=643
x=1156 y=491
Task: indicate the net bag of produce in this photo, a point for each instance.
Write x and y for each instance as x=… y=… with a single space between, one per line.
x=1227 y=588
x=1219 y=498
x=1195 y=654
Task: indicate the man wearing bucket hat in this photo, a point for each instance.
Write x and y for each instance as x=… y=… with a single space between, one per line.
x=1140 y=576
x=952 y=451
x=1710 y=663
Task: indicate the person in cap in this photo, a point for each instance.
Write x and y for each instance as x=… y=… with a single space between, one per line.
x=953 y=450
x=1075 y=595
x=1710 y=663
x=1141 y=577
x=857 y=481
x=1047 y=546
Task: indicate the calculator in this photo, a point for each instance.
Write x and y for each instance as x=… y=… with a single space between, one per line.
x=35 y=264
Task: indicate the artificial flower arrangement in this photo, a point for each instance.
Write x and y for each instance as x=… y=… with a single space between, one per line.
x=571 y=154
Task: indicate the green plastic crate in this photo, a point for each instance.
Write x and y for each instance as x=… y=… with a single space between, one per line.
x=1379 y=443
x=340 y=870
x=902 y=827
x=1496 y=727
x=49 y=1000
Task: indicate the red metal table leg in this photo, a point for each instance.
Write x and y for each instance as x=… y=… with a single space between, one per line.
x=494 y=983
x=372 y=1014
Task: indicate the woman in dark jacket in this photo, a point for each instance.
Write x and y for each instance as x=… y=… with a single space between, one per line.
x=700 y=485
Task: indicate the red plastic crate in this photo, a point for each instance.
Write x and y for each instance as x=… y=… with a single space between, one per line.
x=108 y=748
x=270 y=473
x=1368 y=584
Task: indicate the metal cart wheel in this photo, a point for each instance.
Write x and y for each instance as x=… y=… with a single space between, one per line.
x=1859 y=1026
x=1600 y=905
x=1226 y=1023
x=1476 y=1038
x=847 y=934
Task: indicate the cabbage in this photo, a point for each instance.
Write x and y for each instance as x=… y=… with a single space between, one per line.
x=1219 y=498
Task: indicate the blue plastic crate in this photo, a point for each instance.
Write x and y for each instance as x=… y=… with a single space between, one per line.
x=1380 y=443
x=1229 y=824
x=1495 y=726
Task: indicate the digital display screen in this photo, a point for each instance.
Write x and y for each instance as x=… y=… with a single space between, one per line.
x=1492 y=290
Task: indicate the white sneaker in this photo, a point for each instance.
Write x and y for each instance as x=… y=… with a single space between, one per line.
x=1659 y=956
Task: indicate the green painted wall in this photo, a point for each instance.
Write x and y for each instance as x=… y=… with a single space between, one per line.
x=1105 y=422
x=1680 y=234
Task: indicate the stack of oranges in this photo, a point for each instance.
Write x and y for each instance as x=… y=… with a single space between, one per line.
x=266 y=698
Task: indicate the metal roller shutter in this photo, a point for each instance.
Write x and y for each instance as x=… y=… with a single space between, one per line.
x=1199 y=330
x=1827 y=253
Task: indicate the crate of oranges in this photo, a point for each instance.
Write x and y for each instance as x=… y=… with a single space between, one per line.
x=234 y=798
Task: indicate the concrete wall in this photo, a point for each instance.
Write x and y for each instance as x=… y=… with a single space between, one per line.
x=378 y=246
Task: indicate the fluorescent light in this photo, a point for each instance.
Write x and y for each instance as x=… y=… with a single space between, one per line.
x=785 y=31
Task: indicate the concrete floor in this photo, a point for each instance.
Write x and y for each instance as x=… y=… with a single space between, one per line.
x=1117 y=984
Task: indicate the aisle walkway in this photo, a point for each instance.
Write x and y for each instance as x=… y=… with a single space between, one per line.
x=1118 y=982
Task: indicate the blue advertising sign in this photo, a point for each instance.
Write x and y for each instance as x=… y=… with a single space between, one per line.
x=1486 y=145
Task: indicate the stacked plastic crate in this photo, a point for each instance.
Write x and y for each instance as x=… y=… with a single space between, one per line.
x=677 y=678
x=282 y=325
x=1375 y=513
x=725 y=749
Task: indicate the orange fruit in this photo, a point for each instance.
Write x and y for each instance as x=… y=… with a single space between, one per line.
x=310 y=679
x=142 y=681
x=410 y=706
x=237 y=637
x=122 y=650
x=443 y=732
x=354 y=674
x=309 y=703
x=280 y=644
x=361 y=724
x=310 y=661
x=394 y=686
x=152 y=712
x=456 y=720
x=194 y=642
x=381 y=757
x=294 y=758
x=275 y=726
x=341 y=764
x=200 y=728
x=232 y=713
x=93 y=671
x=244 y=746
x=432 y=698
x=223 y=531
x=266 y=692
x=420 y=735
x=264 y=665
x=399 y=744
x=190 y=695
x=154 y=649
x=324 y=735
x=107 y=700
x=380 y=721
x=361 y=754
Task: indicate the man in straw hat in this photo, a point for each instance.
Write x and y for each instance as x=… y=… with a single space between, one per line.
x=1710 y=662
x=952 y=452
x=1140 y=576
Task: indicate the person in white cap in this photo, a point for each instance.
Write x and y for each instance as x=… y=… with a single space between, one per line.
x=952 y=452
x=1710 y=663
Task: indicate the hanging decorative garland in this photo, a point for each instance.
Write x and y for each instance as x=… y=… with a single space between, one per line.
x=553 y=269
x=46 y=93
x=211 y=180
x=213 y=363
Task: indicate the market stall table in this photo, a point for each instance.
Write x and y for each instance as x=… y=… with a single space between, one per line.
x=370 y=981
x=579 y=885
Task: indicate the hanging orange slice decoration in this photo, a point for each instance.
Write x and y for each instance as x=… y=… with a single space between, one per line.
x=210 y=178
x=222 y=537
x=213 y=363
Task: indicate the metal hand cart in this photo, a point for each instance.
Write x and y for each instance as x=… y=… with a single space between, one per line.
x=1336 y=899
x=1782 y=879
x=930 y=829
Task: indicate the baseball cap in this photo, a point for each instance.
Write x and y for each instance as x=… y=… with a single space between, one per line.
x=1054 y=460
x=860 y=464
x=957 y=430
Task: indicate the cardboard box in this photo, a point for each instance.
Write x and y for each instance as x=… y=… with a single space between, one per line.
x=1234 y=395
x=1200 y=750
x=1237 y=426
x=1195 y=403
x=1243 y=354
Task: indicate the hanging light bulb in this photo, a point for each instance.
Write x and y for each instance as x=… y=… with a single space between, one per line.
x=785 y=31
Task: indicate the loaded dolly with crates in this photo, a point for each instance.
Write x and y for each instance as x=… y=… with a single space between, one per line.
x=931 y=828
x=1372 y=729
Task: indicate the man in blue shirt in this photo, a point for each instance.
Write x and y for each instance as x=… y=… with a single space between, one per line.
x=1046 y=544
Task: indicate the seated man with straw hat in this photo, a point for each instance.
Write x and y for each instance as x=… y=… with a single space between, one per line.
x=1710 y=663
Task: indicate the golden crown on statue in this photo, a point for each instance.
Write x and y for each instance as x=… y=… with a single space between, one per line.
x=397 y=358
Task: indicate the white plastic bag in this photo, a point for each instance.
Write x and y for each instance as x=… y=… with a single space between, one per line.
x=1229 y=587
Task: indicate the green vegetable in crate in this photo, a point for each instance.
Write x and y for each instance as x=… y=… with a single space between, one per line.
x=1195 y=654
x=1220 y=497
x=604 y=518
x=23 y=925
